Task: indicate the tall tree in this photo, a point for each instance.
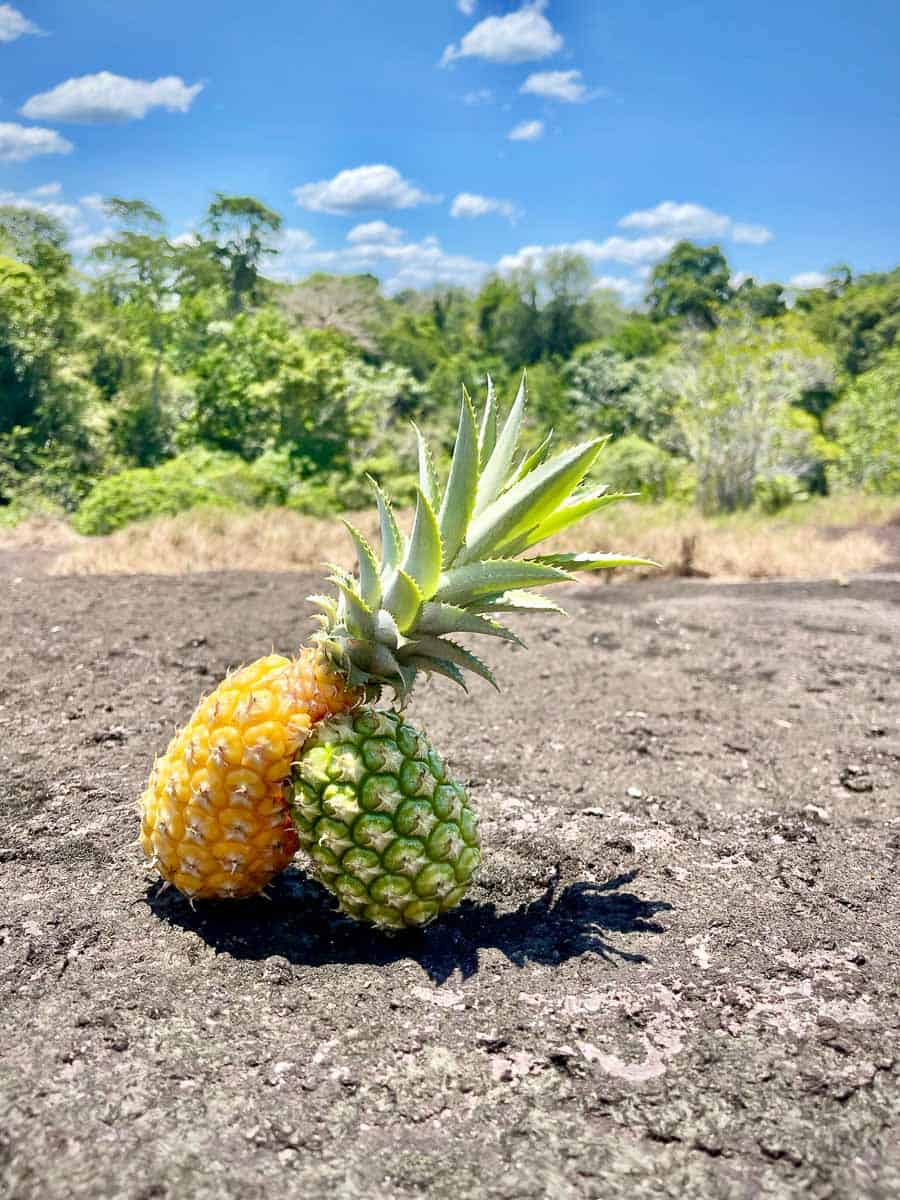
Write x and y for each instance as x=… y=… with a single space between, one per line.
x=242 y=227
x=349 y=304
x=140 y=284
x=690 y=284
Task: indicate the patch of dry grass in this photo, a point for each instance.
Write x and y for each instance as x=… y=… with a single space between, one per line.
x=739 y=547
x=822 y=539
x=37 y=532
x=216 y=539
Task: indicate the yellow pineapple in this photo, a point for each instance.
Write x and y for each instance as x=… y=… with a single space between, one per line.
x=215 y=817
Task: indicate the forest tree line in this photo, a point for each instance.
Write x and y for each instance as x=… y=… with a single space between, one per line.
x=158 y=375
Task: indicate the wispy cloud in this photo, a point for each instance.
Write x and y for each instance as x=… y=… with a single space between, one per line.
x=466 y=7
x=400 y=264
x=478 y=96
x=629 y=288
x=361 y=188
x=105 y=98
x=14 y=25
x=526 y=131
x=521 y=36
x=84 y=222
x=752 y=235
x=18 y=143
x=469 y=204
x=694 y=221
x=807 y=279
x=566 y=86
x=631 y=251
x=372 y=232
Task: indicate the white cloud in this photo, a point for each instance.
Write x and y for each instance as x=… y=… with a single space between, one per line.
x=629 y=288
x=18 y=143
x=372 y=232
x=466 y=7
x=808 y=279
x=520 y=36
x=468 y=204
x=613 y=249
x=526 y=131
x=294 y=241
x=66 y=214
x=694 y=221
x=13 y=24
x=400 y=264
x=685 y=220
x=359 y=188
x=479 y=96
x=105 y=97
x=557 y=85
x=47 y=189
x=752 y=235
x=94 y=201
x=84 y=224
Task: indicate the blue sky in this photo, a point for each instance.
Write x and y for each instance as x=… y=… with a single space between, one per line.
x=438 y=139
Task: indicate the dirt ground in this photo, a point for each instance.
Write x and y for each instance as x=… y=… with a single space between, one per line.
x=677 y=976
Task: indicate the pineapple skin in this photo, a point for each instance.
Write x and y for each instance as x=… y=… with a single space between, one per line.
x=214 y=817
x=389 y=832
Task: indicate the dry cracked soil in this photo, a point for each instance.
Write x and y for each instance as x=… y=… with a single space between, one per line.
x=677 y=975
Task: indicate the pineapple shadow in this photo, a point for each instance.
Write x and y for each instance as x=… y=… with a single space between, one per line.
x=299 y=923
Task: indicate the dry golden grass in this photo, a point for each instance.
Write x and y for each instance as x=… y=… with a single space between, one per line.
x=816 y=540
x=216 y=540
x=739 y=547
x=37 y=532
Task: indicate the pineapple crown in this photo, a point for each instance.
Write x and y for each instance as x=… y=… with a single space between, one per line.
x=462 y=562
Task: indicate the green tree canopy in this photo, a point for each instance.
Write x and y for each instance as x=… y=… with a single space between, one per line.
x=242 y=227
x=690 y=284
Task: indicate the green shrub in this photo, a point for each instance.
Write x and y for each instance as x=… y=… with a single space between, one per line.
x=866 y=424
x=631 y=464
x=776 y=493
x=198 y=478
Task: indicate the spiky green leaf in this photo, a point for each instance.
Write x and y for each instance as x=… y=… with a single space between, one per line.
x=487 y=435
x=402 y=599
x=326 y=603
x=461 y=585
x=530 y=501
x=439 y=619
x=571 y=513
x=432 y=647
x=439 y=666
x=459 y=498
x=576 y=510
x=428 y=480
x=590 y=562
x=391 y=541
x=369 y=576
x=359 y=617
x=496 y=470
x=383 y=664
x=517 y=602
x=534 y=459
x=387 y=632
x=422 y=562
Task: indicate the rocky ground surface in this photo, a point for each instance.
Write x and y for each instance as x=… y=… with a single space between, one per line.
x=678 y=974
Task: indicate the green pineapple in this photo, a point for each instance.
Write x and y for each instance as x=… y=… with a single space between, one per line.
x=385 y=827
x=388 y=831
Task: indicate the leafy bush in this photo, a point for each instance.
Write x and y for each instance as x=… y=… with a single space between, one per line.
x=193 y=479
x=630 y=464
x=777 y=493
x=866 y=424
